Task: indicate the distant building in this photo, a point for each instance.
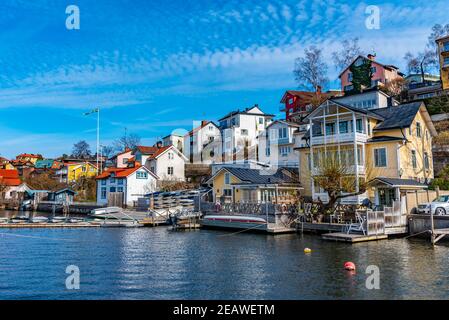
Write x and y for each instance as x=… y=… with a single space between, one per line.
x=174 y=139
x=29 y=157
x=240 y=131
x=419 y=88
x=368 y=99
x=71 y=172
x=122 y=159
x=380 y=73
x=443 y=55
x=202 y=145
x=11 y=184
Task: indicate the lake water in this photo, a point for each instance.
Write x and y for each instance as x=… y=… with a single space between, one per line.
x=156 y=263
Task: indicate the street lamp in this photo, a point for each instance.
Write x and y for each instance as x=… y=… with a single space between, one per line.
x=97 y=111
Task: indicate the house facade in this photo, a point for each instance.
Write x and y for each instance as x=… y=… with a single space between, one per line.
x=377 y=74
x=122 y=159
x=168 y=163
x=202 y=145
x=29 y=157
x=133 y=183
x=277 y=144
x=11 y=184
x=70 y=172
x=443 y=56
x=392 y=143
x=240 y=131
x=242 y=185
x=174 y=139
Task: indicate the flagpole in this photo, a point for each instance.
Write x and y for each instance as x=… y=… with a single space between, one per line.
x=98 y=138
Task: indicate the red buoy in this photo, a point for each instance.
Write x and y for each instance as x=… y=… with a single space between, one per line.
x=350 y=266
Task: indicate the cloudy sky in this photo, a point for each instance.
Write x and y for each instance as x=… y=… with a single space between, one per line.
x=156 y=66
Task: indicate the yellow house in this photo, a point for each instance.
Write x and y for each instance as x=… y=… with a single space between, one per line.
x=233 y=185
x=71 y=172
x=389 y=148
x=443 y=55
x=5 y=164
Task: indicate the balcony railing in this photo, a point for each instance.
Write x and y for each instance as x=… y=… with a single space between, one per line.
x=334 y=138
x=351 y=169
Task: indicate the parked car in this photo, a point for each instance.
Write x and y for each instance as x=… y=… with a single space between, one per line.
x=439 y=206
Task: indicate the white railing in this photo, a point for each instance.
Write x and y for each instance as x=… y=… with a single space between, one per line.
x=360 y=169
x=394 y=217
x=348 y=200
x=339 y=138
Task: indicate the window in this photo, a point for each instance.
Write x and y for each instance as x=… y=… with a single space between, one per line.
x=227 y=178
x=227 y=192
x=244 y=132
x=418 y=130
x=260 y=120
x=142 y=175
x=211 y=128
x=330 y=128
x=348 y=88
x=112 y=180
x=343 y=127
x=112 y=189
x=103 y=182
x=233 y=121
x=120 y=189
x=446 y=46
x=414 y=159
x=349 y=77
x=171 y=155
x=84 y=169
x=446 y=61
x=309 y=161
x=267 y=151
x=290 y=101
x=369 y=128
x=373 y=70
x=103 y=193
x=426 y=160
x=124 y=160
x=170 y=171
x=282 y=133
x=380 y=157
x=359 y=125
x=284 y=151
x=120 y=182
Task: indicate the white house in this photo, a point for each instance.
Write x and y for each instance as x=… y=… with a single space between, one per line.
x=368 y=99
x=133 y=182
x=202 y=145
x=174 y=139
x=168 y=163
x=277 y=144
x=240 y=131
x=10 y=184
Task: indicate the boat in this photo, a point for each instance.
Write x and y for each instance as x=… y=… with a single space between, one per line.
x=107 y=210
x=234 y=222
x=19 y=219
x=39 y=219
x=59 y=219
x=4 y=220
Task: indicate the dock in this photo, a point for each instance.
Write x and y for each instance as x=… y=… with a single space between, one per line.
x=273 y=228
x=352 y=238
x=47 y=225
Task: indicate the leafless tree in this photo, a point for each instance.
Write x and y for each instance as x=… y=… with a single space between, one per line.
x=127 y=141
x=81 y=150
x=311 y=70
x=349 y=50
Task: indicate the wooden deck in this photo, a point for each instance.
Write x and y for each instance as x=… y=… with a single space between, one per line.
x=276 y=229
x=320 y=227
x=352 y=238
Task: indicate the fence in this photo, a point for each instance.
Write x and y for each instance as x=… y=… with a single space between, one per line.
x=375 y=222
x=414 y=198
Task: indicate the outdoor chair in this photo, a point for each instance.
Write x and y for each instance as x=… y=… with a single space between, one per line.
x=358 y=226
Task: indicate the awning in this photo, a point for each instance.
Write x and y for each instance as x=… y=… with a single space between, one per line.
x=397 y=183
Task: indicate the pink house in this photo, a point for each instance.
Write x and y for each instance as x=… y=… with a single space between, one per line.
x=382 y=73
x=121 y=160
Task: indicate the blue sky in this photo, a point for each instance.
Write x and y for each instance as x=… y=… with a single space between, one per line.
x=155 y=66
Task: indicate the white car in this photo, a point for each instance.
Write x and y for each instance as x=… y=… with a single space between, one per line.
x=439 y=206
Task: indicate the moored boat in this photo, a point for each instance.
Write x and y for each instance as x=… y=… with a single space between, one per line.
x=234 y=222
x=39 y=219
x=103 y=211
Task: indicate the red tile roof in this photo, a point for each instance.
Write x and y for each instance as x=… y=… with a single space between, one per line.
x=10 y=177
x=147 y=150
x=160 y=151
x=119 y=172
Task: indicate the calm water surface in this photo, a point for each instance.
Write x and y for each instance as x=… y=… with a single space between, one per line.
x=156 y=263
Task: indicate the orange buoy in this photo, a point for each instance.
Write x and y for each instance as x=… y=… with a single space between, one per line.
x=350 y=266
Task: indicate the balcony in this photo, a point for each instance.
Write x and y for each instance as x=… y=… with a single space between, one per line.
x=339 y=138
x=361 y=170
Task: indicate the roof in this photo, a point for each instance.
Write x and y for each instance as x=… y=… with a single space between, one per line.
x=288 y=123
x=387 y=66
x=203 y=124
x=147 y=150
x=398 y=182
x=256 y=176
x=120 y=153
x=384 y=139
x=247 y=112
x=10 y=177
x=29 y=155
x=45 y=163
x=401 y=116
x=442 y=38
x=122 y=172
x=307 y=96
x=436 y=117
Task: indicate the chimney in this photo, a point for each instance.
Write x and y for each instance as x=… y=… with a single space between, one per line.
x=318 y=90
x=204 y=123
x=159 y=144
x=372 y=57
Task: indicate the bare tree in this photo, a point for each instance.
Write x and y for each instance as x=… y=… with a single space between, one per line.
x=349 y=50
x=81 y=150
x=127 y=141
x=396 y=88
x=311 y=70
x=337 y=179
x=107 y=151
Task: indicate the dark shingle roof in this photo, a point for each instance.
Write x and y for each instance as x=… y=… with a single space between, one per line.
x=397 y=117
x=384 y=139
x=255 y=176
x=401 y=182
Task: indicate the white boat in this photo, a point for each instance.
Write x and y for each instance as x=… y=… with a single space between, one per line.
x=234 y=222
x=4 y=220
x=59 y=219
x=39 y=219
x=103 y=211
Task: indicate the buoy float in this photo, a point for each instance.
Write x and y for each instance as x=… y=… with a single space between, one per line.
x=307 y=250
x=350 y=266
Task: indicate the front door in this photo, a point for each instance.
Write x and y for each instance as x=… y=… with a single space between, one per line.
x=386 y=197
